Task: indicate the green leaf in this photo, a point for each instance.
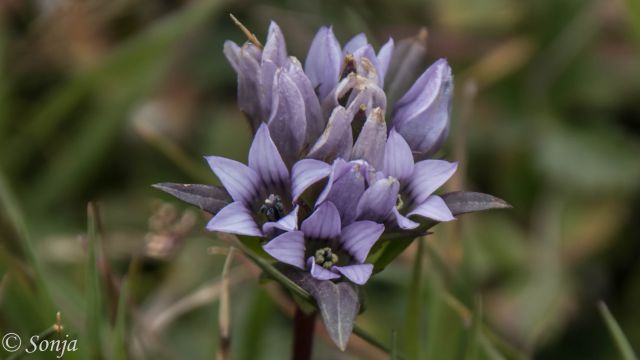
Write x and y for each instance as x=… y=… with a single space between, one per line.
x=205 y=197
x=93 y=288
x=413 y=323
x=462 y=202
x=622 y=343
x=120 y=335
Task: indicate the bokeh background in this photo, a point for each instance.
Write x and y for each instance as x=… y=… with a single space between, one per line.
x=99 y=99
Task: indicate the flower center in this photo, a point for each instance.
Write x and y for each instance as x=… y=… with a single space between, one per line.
x=399 y=203
x=325 y=257
x=272 y=208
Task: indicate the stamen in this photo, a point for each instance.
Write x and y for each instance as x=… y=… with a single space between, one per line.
x=326 y=258
x=272 y=208
x=348 y=67
x=399 y=203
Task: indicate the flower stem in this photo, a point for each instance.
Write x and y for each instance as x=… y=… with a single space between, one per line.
x=303 y=327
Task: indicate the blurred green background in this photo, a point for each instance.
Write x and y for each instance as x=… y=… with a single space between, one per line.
x=99 y=99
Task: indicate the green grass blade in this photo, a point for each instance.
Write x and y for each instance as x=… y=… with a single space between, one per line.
x=412 y=332
x=93 y=288
x=120 y=327
x=622 y=343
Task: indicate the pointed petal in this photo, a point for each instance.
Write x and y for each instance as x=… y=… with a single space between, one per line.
x=265 y=159
x=433 y=208
x=234 y=218
x=336 y=140
x=378 y=200
x=371 y=142
x=398 y=159
x=345 y=192
x=401 y=221
x=323 y=62
x=384 y=58
x=406 y=62
x=319 y=272
x=367 y=64
x=355 y=43
x=287 y=121
x=323 y=224
x=358 y=238
x=288 y=223
x=231 y=51
x=338 y=168
x=358 y=274
x=249 y=88
x=287 y=248
x=306 y=173
x=275 y=49
x=315 y=121
x=240 y=181
x=427 y=177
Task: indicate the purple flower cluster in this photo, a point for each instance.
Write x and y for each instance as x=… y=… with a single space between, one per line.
x=327 y=173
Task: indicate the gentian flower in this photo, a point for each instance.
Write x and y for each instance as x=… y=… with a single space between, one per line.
x=325 y=248
x=260 y=191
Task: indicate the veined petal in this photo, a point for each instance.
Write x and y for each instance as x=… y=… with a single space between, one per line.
x=355 y=43
x=372 y=138
x=315 y=121
x=287 y=122
x=401 y=221
x=345 y=192
x=425 y=89
x=398 y=159
x=287 y=248
x=305 y=173
x=358 y=238
x=234 y=218
x=378 y=200
x=323 y=62
x=323 y=224
x=433 y=208
x=358 y=274
x=319 y=272
x=265 y=159
x=367 y=64
x=250 y=92
x=240 y=181
x=275 y=49
x=336 y=140
x=384 y=58
x=288 y=223
x=231 y=51
x=427 y=177
x=338 y=168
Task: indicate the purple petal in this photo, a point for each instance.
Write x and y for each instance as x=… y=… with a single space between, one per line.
x=265 y=159
x=378 y=200
x=355 y=43
x=427 y=177
x=315 y=121
x=240 y=181
x=370 y=95
x=323 y=224
x=433 y=208
x=287 y=121
x=275 y=49
x=345 y=192
x=319 y=272
x=369 y=68
x=401 y=221
x=336 y=140
x=287 y=248
x=338 y=168
x=358 y=274
x=358 y=238
x=384 y=58
x=268 y=71
x=231 y=51
x=306 y=173
x=398 y=159
x=249 y=88
x=288 y=223
x=372 y=138
x=323 y=62
x=234 y=218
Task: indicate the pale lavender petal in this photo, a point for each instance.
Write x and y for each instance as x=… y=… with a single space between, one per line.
x=275 y=49
x=234 y=218
x=323 y=224
x=433 y=208
x=287 y=248
x=287 y=121
x=345 y=193
x=265 y=159
x=358 y=274
x=401 y=221
x=268 y=71
x=384 y=58
x=240 y=181
x=249 y=88
x=323 y=62
x=378 y=200
x=231 y=51
x=315 y=121
x=369 y=94
x=398 y=159
x=406 y=62
x=358 y=238
x=338 y=168
x=305 y=173
x=372 y=138
x=319 y=272
x=288 y=223
x=369 y=68
x=427 y=177
x=336 y=140
x=355 y=43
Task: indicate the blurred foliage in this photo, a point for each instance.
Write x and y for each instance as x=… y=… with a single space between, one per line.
x=99 y=99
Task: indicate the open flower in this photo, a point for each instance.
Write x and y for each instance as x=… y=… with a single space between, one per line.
x=325 y=248
x=260 y=191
